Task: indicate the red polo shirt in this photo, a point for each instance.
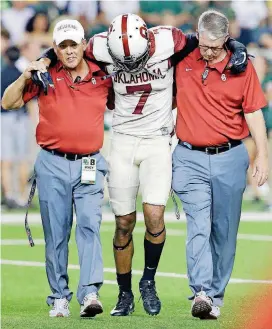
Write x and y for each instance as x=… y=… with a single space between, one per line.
x=71 y=116
x=211 y=112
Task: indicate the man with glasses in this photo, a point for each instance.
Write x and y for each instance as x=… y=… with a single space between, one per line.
x=216 y=110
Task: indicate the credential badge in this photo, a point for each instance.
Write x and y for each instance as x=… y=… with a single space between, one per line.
x=223 y=77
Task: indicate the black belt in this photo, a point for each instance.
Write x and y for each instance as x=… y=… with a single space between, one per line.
x=212 y=149
x=69 y=156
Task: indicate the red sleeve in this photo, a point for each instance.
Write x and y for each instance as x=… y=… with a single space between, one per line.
x=253 y=96
x=89 y=49
x=30 y=91
x=179 y=39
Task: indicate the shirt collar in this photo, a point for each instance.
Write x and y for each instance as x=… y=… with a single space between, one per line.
x=220 y=66
x=93 y=67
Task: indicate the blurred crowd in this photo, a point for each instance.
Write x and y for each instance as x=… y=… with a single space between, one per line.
x=26 y=30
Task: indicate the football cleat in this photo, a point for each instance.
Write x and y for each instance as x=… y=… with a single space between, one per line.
x=151 y=302
x=125 y=304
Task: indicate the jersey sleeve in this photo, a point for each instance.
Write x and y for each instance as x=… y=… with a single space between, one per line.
x=191 y=43
x=253 y=96
x=30 y=91
x=97 y=48
x=179 y=39
x=89 y=50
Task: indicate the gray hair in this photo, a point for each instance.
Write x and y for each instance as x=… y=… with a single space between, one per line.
x=214 y=23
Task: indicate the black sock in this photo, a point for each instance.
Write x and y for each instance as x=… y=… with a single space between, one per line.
x=124 y=281
x=152 y=257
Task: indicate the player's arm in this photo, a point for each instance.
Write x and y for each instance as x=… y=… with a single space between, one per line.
x=49 y=57
x=239 y=58
x=190 y=43
x=13 y=97
x=238 y=61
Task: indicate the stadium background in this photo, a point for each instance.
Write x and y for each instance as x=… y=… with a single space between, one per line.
x=26 y=30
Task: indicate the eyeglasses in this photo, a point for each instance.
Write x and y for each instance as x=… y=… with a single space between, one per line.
x=213 y=49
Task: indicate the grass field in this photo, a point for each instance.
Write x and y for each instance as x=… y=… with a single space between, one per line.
x=24 y=288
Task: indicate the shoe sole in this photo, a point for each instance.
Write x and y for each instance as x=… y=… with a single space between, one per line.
x=91 y=311
x=201 y=309
x=152 y=313
x=209 y=317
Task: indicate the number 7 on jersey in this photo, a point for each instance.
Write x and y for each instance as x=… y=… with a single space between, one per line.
x=146 y=90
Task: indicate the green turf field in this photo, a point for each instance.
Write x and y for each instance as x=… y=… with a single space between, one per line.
x=24 y=288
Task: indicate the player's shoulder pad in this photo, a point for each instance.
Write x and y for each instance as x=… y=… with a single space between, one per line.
x=163 y=43
x=100 y=49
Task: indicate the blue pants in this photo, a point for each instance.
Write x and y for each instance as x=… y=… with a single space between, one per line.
x=211 y=189
x=60 y=188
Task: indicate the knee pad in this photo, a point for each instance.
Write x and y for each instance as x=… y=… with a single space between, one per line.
x=119 y=248
x=155 y=235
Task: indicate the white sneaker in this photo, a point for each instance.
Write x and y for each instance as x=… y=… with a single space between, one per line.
x=215 y=312
x=202 y=305
x=60 y=308
x=91 y=306
x=213 y=315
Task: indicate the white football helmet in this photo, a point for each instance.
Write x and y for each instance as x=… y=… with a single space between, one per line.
x=128 y=43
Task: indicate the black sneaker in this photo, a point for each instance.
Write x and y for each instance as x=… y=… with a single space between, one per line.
x=125 y=304
x=151 y=302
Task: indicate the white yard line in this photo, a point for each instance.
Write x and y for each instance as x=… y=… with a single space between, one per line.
x=109 y=217
x=138 y=230
x=112 y=270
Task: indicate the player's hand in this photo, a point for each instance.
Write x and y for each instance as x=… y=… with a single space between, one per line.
x=261 y=169
x=43 y=80
x=239 y=58
x=41 y=77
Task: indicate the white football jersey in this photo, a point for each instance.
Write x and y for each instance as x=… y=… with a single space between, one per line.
x=143 y=100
